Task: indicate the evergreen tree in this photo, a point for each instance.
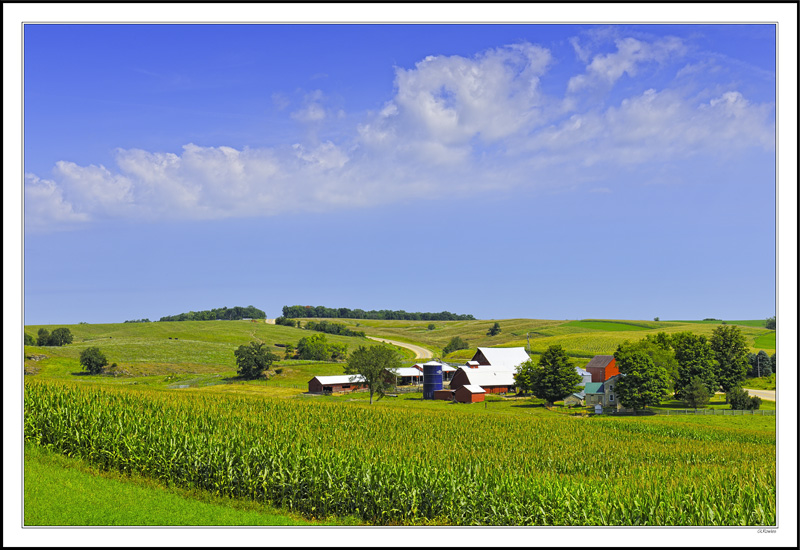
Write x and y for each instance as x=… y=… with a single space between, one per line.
x=495 y=330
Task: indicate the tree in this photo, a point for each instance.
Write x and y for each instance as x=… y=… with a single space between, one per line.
x=740 y=399
x=523 y=378
x=371 y=362
x=93 y=360
x=643 y=382
x=314 y=348
x=456 y=343
x=495 y=330
x=695 y=360
x=253 y=360
x=774 y=360
x=658 y=348
x=29 y=340
x=60 y=337
x=431 y=326
x=555 y=376
x=43 y=337
x=696 y=395
x=656 y=319
x=730 y=351
x=770 y=323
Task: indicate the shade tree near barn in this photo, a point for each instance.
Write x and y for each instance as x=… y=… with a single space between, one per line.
x=252 y=360
x=643 y=383
x=372 y=363
x=553 y=378
x=730 y=351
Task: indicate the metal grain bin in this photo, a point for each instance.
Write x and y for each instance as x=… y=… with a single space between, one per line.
x=431 y=379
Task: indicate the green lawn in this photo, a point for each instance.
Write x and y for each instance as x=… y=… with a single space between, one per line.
x=63 y=491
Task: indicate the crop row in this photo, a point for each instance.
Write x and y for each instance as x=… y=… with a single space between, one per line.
x=415 y=467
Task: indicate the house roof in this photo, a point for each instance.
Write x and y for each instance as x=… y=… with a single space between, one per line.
x=489 y=377
x=593 y=387
x=471 y=388
x=340 y=379
x=599 y=361
x=503 y=358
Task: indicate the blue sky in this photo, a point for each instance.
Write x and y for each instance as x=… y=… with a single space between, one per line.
x=540 y=171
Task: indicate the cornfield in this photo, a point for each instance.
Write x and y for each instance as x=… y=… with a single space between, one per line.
x=393 y=467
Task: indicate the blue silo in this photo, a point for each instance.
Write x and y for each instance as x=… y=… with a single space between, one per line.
x=431 y=379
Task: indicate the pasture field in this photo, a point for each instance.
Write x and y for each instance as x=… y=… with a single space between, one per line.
x=170 y=354
x=416 y=467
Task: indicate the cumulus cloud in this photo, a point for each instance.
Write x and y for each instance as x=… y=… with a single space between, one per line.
x=45 y=206
x=454 y=126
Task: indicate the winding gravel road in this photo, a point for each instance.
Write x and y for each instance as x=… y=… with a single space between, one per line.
x=421 y=352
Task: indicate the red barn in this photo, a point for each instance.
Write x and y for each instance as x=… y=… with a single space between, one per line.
x=602 y=367
x=342 y=383
x=470 y=394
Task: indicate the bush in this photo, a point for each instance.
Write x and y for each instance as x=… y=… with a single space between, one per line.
x=741 y=400
x=431 y=326
x=770 y=323
x=29 y=340
x=93 y=360
x=286 y=322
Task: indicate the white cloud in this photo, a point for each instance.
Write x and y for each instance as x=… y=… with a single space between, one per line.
x=456 y=126
x=312 y=110
x=606 y=69
x=45 y=206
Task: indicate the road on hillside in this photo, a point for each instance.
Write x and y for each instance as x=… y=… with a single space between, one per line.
x=769 y=395
x=421 y=352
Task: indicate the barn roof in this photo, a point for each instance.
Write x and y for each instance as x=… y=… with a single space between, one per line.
x=340 y=379
x=599 y=361
x=408 y=371
x=471 y=388
x=489 y=377
x=593 y=387
x=447 y=368
x=503 y=358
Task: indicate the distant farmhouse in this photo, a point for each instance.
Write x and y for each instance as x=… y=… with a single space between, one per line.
x=603 y=393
